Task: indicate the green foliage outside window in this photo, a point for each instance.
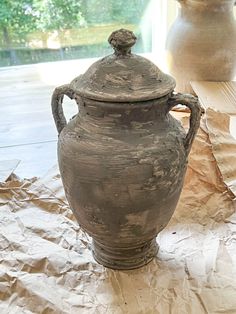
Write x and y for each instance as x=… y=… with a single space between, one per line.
x=24 y=22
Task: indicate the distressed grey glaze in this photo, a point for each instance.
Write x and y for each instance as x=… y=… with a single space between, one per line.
x=123 y=162
x=123 y=76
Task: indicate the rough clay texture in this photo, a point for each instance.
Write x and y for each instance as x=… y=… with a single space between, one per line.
x=123 y=157
x=201 y=44
x=123 y=171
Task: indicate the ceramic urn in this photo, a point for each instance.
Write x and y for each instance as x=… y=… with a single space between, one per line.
x=123 y=157
x=201 y=43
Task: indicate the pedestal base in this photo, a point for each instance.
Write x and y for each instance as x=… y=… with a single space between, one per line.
x=125 y=258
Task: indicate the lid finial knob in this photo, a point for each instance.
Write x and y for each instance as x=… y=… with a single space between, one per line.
x=122 y=40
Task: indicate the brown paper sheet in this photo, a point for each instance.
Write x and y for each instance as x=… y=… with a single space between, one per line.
x=46 y=264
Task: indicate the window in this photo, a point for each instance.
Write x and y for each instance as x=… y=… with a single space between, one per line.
x=33 y=31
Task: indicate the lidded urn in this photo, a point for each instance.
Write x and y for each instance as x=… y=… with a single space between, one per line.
x=123 y=157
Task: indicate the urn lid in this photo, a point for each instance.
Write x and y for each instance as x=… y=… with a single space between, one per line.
x=123 y=76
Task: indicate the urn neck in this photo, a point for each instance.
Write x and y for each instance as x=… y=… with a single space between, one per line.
x=119 y=114
x=205 y=8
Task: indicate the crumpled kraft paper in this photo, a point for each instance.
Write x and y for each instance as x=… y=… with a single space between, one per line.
x=46 y=264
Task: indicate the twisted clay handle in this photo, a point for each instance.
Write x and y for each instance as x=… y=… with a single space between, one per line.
x=196 y=111
x=56 y=104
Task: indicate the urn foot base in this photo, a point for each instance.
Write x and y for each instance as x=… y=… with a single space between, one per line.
x=125 y=258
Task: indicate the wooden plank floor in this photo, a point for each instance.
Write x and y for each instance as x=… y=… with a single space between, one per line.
x=218 y=95
x=27 y=130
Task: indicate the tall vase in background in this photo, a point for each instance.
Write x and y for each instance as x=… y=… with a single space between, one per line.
x=201 y=44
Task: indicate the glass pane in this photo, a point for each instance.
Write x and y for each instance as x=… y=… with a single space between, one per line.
x=33 y=31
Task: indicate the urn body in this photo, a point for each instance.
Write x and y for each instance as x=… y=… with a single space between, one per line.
x=123 y=157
